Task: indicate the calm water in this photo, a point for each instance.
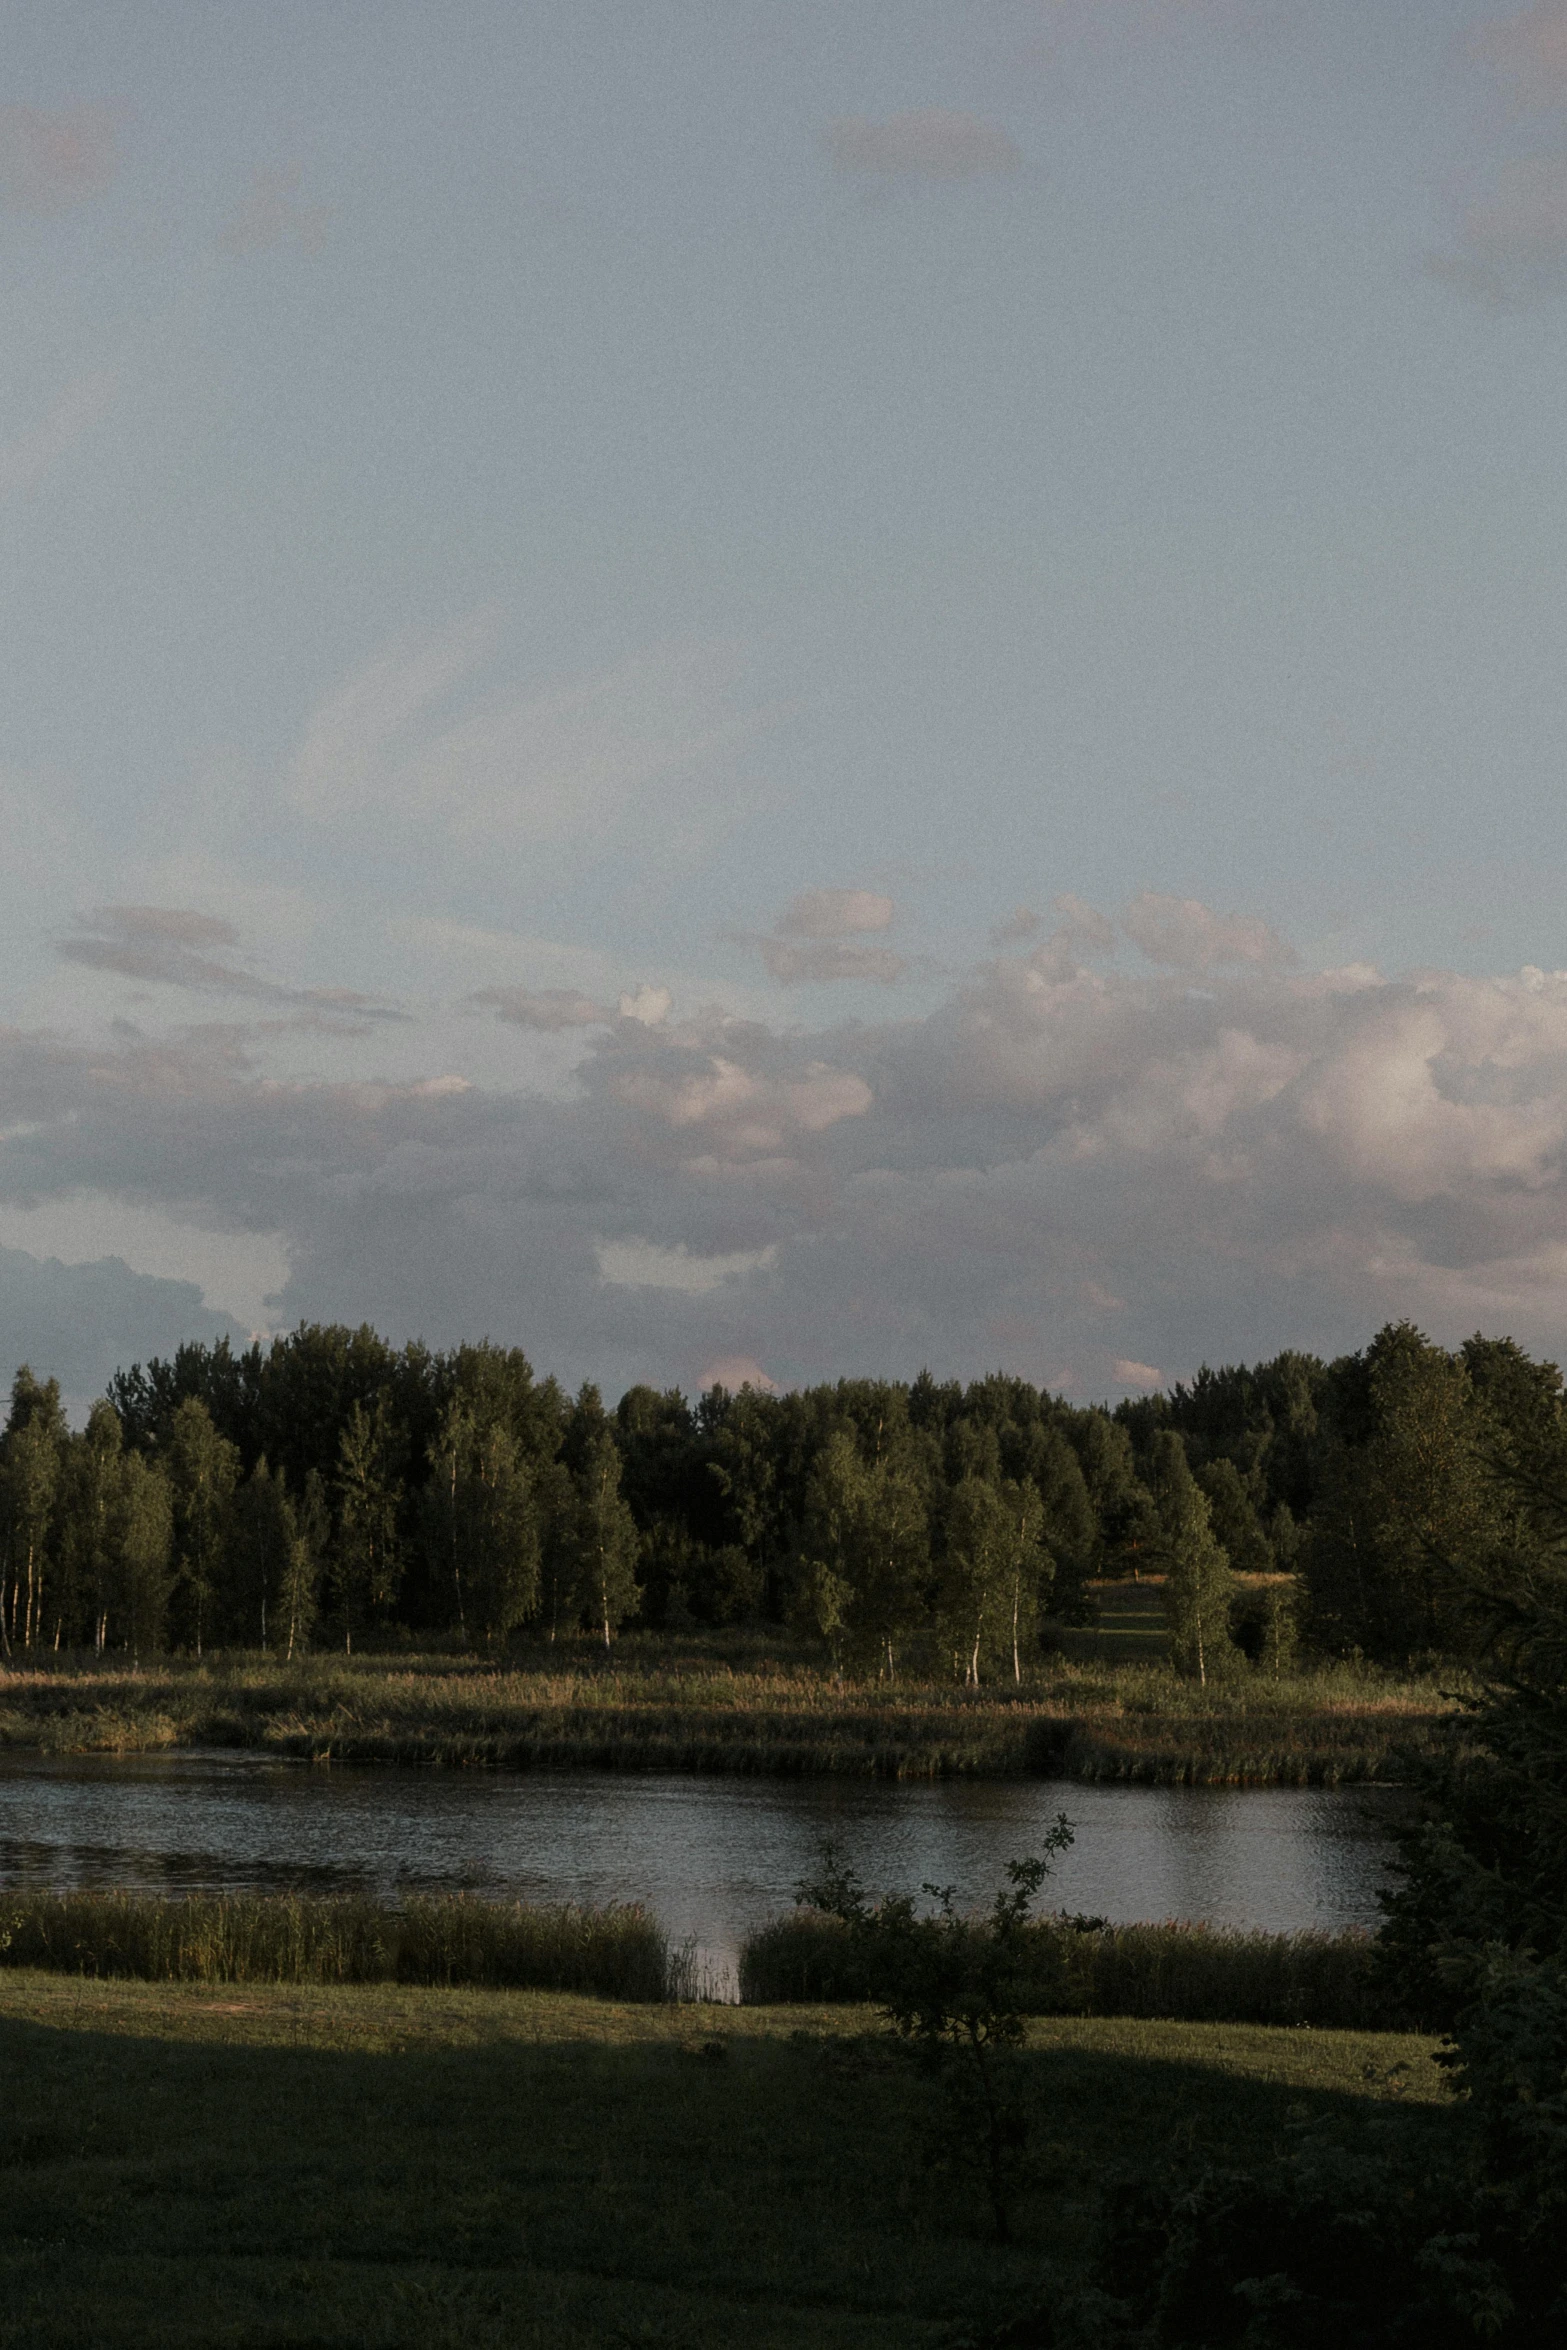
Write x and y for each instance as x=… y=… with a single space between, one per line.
x=712 y=1856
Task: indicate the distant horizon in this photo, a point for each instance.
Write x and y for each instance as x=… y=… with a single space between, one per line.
x=77 y=1404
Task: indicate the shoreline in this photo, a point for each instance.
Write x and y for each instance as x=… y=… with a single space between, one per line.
x=684 y=1710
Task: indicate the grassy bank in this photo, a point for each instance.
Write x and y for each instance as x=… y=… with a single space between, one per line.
x=618 y=1953
x=749 y=1704
x=291 y=2169
x=1190 y=1973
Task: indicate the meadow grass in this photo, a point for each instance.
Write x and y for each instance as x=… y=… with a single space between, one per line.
x=739 y=1703
x=618 y=1952
x=298 y=2168
x=1199 y=1974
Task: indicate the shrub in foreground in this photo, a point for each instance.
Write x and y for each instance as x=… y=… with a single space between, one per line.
x=617 y=1953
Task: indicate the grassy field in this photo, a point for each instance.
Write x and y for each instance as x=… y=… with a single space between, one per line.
x=747 y=1702
x=305 y=2168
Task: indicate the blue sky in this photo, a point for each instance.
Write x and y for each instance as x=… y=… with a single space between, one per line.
x=992 y=571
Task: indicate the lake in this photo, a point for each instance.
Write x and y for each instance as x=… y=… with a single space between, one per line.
x=711 y=1856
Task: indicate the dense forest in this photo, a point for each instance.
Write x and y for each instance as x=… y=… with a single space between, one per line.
x=330 y=1488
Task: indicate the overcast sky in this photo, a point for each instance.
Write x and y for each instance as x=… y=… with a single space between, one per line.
x=756 y=688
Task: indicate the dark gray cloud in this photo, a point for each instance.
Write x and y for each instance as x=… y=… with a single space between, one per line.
x=80 y=1323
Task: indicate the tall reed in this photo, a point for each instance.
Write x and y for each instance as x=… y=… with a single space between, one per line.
x=617 y=1953
x=1194 y=1974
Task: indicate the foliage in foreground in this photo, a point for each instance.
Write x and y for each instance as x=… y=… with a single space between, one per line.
x=617 y=1953
x=1325 y=2242
x=954 y=1990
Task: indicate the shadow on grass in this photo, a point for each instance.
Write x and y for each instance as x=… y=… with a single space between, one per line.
x=701 y=2185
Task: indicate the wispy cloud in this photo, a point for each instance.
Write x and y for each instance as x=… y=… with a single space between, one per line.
x=418 y=737
x=1512 y=245
x=171 y=946
x=50 y=161
x=272 y=215
x=933 y=144
x=83 y=404
x=1530 y=51
x=547 y=1009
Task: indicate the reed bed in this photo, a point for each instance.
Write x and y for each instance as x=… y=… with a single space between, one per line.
x=614 y=1953
x=1190 y=1974
x=676 y=1707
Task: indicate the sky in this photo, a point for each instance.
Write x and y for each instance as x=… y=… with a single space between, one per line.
x=756 y=689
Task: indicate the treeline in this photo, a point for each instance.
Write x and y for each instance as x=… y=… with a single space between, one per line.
x=331 y=1487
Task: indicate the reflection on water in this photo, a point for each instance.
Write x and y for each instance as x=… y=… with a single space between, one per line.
x=711 y=1856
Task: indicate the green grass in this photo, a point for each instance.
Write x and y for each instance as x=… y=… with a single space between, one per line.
x=750 y=1703
x=297 y=2169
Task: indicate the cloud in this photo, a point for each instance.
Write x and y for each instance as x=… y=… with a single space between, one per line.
x=415 y=738
x=1021 y=923
x=25 y=461
x=167 y=946
x=271 y=215
x=835 y=913
x=1141 y=1376
x=236 y=1273
x=1530 y=51
x=1512 y=245
x=81 y=1322
x=547 y=1008
x=809 y=939
x=648 y=1006
x=49 y=162
x=642 y=1264
x=932 y=144
x=1188 y=936
x=1062 y=1163
x=822 y=959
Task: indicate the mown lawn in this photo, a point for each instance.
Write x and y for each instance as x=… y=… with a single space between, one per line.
x=304 y=2168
